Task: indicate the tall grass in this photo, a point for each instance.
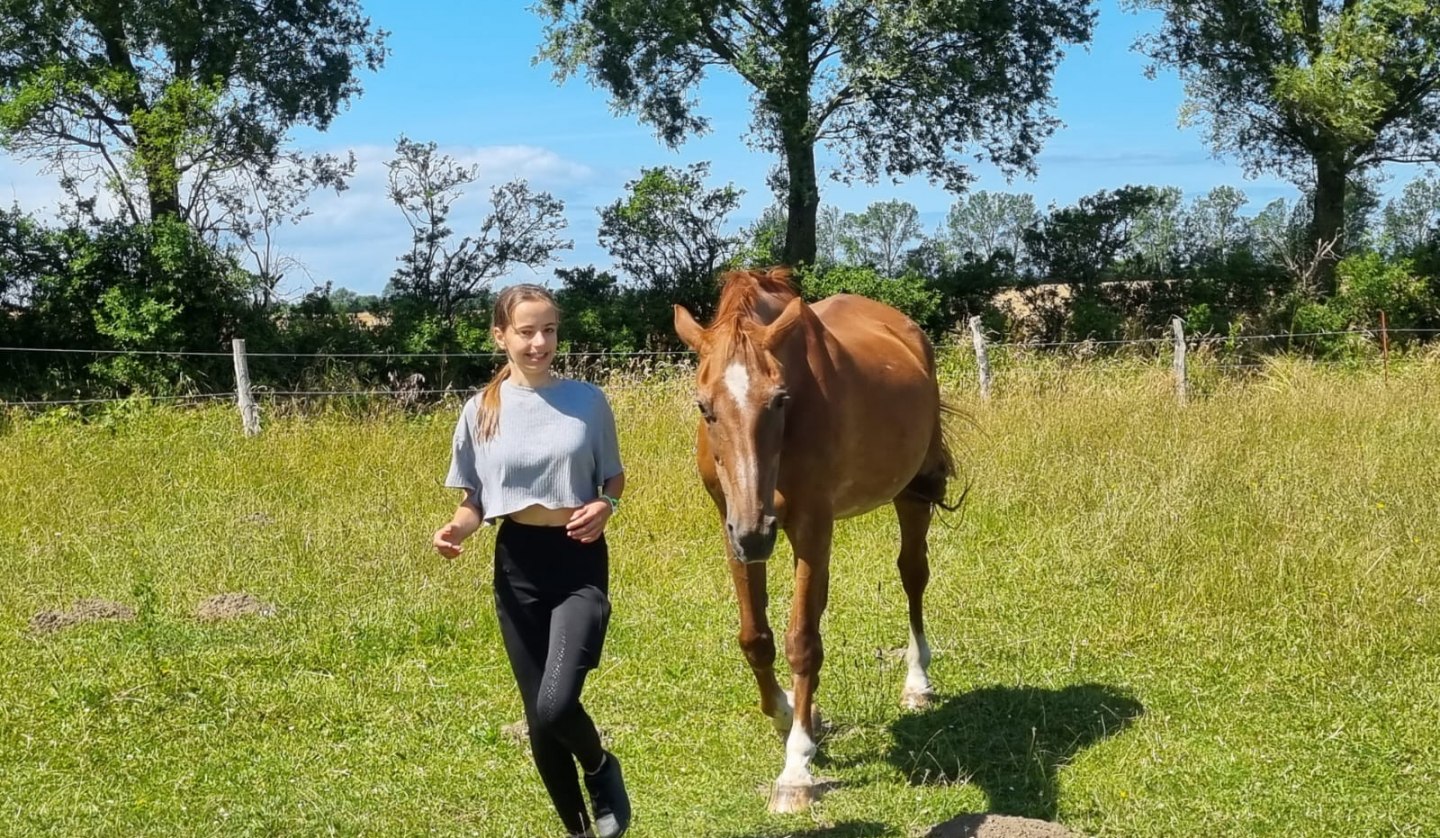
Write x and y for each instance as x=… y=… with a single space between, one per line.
x=1148 y=620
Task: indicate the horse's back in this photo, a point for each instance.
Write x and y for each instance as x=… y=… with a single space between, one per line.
x=870 y=330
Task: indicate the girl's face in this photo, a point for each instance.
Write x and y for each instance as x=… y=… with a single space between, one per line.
x=529 y=340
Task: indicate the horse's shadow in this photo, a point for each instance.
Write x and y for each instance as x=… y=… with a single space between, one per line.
x=1009 y=741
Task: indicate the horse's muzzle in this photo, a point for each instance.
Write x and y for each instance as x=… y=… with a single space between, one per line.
x=753 y=545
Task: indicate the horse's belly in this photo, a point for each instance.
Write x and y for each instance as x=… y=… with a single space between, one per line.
x=874 y=482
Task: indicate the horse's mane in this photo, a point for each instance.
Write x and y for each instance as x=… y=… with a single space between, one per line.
x=740 y=294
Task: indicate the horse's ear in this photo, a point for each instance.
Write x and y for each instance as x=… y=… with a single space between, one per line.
x=777 y=331
x=691 y=333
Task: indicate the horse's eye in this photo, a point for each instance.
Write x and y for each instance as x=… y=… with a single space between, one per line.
x=779 y=400
x=705 y=410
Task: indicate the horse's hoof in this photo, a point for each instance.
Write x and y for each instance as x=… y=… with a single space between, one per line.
x=787 y=800
x=916 y=699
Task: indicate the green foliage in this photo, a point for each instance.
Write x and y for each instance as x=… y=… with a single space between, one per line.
x=909 y=293
x=982 y=224
x=150 y=288
x=601 y=316
x=1369 y=285
x=450 y=275
x=893 y=87
x=1083 y=243
x=880 y=236
x=1411 y=221
x=1141 y=256
x=130 y=97
x=1320 y=91
x=764 y=241
x=1092 y=317
x=668 y=233
x=1313 y=321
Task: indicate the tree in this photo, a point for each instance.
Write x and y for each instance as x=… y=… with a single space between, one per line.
x=150 y=95
x=829 y=227
x=249 y=205
x=878 y=237
x=981 y=224
x=764 y=241
x=908 y=292
x=1080 y=244
x=28 y=253
x=1412 y=219
x=1317 y=90
x=895 y=87
x=522 y=229
x=599 y=314
x=1155 y=240
x=1213 y=227
x=668 y=233
x=350 y=302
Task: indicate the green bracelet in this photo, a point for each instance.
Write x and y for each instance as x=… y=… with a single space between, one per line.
x=614 y=502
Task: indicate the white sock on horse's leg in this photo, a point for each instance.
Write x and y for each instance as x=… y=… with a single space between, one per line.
x=784 y=703
x=799 y=750
x=917 y=679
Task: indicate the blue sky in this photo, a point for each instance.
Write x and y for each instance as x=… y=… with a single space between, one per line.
x=461 y=74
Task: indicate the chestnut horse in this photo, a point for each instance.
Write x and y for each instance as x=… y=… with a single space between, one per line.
x=812 y=413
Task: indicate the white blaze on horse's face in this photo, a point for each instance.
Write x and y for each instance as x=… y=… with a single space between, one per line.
x=744 y=411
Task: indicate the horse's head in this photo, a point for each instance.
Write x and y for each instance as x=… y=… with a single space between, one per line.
x=743 y=400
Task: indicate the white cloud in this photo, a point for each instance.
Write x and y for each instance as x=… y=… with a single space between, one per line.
x=354 y=238
x=24 y=184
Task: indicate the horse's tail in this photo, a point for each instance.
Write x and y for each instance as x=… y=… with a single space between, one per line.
x=932 y=484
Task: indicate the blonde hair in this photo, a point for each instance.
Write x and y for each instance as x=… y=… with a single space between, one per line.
x=500 y=318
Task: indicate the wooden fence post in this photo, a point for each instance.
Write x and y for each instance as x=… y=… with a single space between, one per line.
x=249 y=411
x=1385 y=346
x=982 y=356
x=1178 y=327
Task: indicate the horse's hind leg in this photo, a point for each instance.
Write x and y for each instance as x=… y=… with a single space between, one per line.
x=914 y=566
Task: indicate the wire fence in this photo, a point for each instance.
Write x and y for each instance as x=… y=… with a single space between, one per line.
x=1198 y=339
x=1219 y=353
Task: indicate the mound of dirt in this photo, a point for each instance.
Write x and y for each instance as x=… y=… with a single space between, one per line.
x=83 y=611
x=998 y=826
x=231 y=606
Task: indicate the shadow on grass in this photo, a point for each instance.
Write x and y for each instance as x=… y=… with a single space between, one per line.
x=1009 y=741
x=851 y=829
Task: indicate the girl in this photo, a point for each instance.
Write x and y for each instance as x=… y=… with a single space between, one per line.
x=540 y=453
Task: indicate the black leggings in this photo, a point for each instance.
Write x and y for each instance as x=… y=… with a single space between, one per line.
x=552 y=597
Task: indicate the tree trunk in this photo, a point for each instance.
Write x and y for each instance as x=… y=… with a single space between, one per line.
x=804 y=202
x=164 y=194
x=1328 y=222
x=791 y=101
x=161 y=188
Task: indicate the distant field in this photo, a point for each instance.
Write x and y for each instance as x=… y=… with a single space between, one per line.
x=1149 y=620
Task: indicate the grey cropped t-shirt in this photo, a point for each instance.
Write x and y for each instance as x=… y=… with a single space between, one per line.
x=555 y=446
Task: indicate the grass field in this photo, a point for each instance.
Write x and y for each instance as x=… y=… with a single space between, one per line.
x=1149 y=621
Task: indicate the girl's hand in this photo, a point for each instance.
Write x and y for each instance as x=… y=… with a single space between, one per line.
x=447 y=542
x=589 y=521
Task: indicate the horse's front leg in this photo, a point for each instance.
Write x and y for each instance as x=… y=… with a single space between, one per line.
x=757 y=641
x=795 y=789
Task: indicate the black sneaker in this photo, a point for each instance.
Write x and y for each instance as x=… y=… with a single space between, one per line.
x=607 y=794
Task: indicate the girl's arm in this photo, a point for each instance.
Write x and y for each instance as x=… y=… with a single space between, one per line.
x=463 y=524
